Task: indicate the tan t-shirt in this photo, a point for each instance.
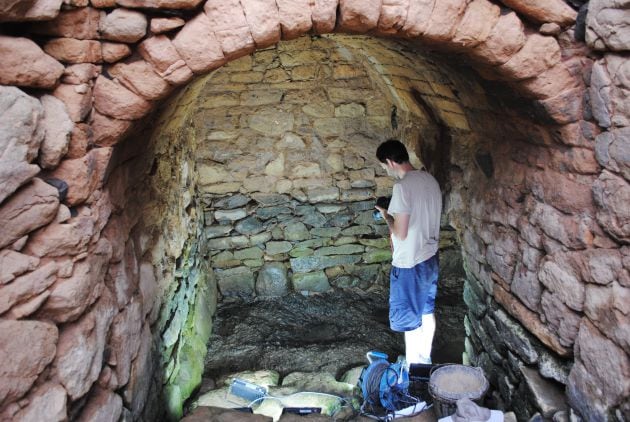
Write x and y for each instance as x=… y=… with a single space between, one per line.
x=417 y=194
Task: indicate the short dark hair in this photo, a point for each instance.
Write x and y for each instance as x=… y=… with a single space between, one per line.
x=394 y=150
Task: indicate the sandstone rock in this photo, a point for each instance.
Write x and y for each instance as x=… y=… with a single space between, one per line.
x=47 y=402
x=136 y=392
x=81 y=347
x=542 y=11
x=139 y=77
x=359 y=16
x=537 y=55
x=475 y=27
x=161 y=25
x=568 y=194
x=58 y=127
x=148 y=289
x=393 y=16
x=549 y=83
x=29 y=10
x=160 y=52
x=113 y=52
x=505 y=39
x=70 y=50
x=18 y=369
x=77 y=99
x=14 y=264
x=198 y=46
x=71 y=296
x=530 y=321
x=263 y=20
x=70 y=238
x=444 y=20
x=108 y=131
x=550 y=28
x=15 y=9
x=566 y=107
x=81 y=23
x=610 y=86
x=562 y=281
x=20 y=138
x=598 y=379
x=324 y=15
x=78 y=74
x=607 y=26
x=560 y=318
x=124 y=340
x=613 y=151
x=102 y=406
x=114 y=100
x=230 y=27
x=27 y=286
x=80 y=139
x=418 y=17
x=611 y=194
x=295 y=17
x=607 y=308
x=83 y=175
x=122 y=277
x=25 y=64
x=160 y=4
x=123 y=25
x=31 y=207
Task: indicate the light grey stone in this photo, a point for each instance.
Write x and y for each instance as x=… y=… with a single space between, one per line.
x=515 y=337
x=272 y=280
x=231 y=202
x=237 y=281
x=607 y=25
x=340 y=250
x=296 y=231
x=548 y=397
x=217 y=231
x=612 y=150
x=313 y=263
x=250 y=225
x=311 y=282
x=230 y=215
x=272 y=123
x=277 y=247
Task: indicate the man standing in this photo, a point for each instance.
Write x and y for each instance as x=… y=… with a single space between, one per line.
x=413 y=218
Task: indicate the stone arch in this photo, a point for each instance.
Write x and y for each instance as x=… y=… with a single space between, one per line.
x=139 y=70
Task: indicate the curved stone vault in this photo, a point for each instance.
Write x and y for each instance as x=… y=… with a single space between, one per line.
x=97 y=258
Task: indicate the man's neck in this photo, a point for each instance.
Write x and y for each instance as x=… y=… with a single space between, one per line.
x=404 y=168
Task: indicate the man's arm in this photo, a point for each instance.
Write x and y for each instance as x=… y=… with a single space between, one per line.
x=398 y=223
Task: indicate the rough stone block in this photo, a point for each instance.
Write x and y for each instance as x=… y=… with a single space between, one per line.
x=114 y=100
x=357 y=16
x=81 y=23
x=237 y=281
x=324 y=15
x=542 y=11
x=139 y=77
x=537 y=55
x=198 y=46
x=70 y=50
x=310 y=282
x=611 y=194
x=25 y=64
x=19 y=370
x=478 y=20
x=505 y=39
x=264 y=22
x=393 y=16
x=418 y=17
x=272 y=280
x=444 y=20
x=607 y=26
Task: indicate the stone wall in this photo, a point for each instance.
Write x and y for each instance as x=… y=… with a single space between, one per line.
x=540 y=204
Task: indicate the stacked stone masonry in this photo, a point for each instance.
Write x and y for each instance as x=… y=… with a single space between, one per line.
x=106 y=278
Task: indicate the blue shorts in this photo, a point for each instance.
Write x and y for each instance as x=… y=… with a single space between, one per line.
x=412 y=294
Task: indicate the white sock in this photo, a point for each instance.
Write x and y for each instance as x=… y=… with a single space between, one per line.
x=418 y=342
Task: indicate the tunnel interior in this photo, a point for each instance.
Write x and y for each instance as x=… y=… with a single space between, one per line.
x=257 y=183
